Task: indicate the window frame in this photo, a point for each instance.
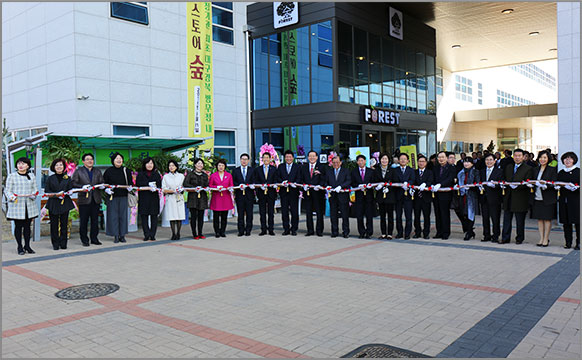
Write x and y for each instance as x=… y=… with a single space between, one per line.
x=149 y=127
x=220 y=26
x=146 y=6
x=226 y=146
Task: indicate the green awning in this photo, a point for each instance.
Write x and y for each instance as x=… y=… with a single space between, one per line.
x=134 y=142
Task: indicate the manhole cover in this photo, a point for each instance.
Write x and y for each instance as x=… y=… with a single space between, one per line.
x=86 y=291
x=382 y=351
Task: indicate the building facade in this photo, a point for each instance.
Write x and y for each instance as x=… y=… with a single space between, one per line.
x=100 y=68
x=336 y=76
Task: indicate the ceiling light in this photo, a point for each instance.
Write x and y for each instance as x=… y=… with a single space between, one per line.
x=507 y=11
x=326 y=50
x=534 y=33
x=553 y=49
x=313 y=34
x=483 y=60
x=360 y=58
x=457 y=46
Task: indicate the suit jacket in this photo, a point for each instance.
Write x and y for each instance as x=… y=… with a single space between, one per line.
x=343 y=179
x=446 y=179
x=294 y=175
x=426 y=178
x=357 y=180
x=569 y=207
x=517 y=200
x=503 y=163
x=408 y=176
x=237 y=179
x=53 y=185
x=81 y=177
x=316 y=179
x=491 y=195
x=549 y=195
x=380 y=199
x=259 y=178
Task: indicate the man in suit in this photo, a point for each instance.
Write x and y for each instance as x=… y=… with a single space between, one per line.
x=444 y=176
x=338 y=178
x=506 y=161
x=89 y=202
x=425 y=178
x=289 y=172
x=313 y=173
x=516 y=200
x=266 y=174
x=459 y=165
x=403 y=173
x=364 y=198
x=491 y=200
x=245 y=199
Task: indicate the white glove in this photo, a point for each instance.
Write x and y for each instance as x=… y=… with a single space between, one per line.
x=490 y=184
x=12 y=197
x=130 y=188
x=556 y=187
x=101 y=187
x=386 y=189
x=220 y=188
x=86 y=187
x=293 y=185
x=379 y=187
x=109 y=191
x=544 y=187
x=337 y=189
x=571 y=187
x=180 y=189
x=362 y=186
x=436 y=188
x=263 y=187
x=405 y=186
x=513 y=186
x=285 y=182
x=305 y=187
x=317 y=187
x=153 y=189
x=252 y=187
x=530 y=185
x=422 y=187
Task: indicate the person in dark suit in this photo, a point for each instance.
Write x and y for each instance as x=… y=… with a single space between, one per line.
x=90 y=200
x=363 y=175
x=266 y=174
x=459 y=165
x=245 y=199
x=444 y=176
x=385 y=196
x=313 y=173
x=148 y=202
x=569 y=205
x=403 y=198
x=491 y=200
x=338 y=178
x=506 y=161
x=289 y=172
x=424 y=178
x=58 y=207
x=516 y=200
x=544 y=199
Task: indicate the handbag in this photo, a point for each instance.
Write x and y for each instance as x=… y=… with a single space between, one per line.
x=131 y=197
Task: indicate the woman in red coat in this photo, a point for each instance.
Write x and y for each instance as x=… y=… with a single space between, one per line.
x=221 y=201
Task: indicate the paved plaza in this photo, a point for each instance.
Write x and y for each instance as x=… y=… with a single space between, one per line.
x=308 y=297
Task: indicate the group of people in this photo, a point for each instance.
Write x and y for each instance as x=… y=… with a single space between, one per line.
x=391 y=203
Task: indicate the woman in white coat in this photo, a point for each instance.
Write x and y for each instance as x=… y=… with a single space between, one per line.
x=174 y=208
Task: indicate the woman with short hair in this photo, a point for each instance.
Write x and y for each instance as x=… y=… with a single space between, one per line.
x=197 y=201
x=569 y=204
x=221 y=201
x=58 y=206
x=148 y=202
x=116 y=200
x=544 y=198
x=174 y=210
x=468 y=200
x=21 y=209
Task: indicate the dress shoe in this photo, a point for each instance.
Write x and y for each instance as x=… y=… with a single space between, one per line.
x=272 y=233
x=122 y=239
x=368 y=236
x=416 y=236
x=566 y=246
x=309 y=234
x=486 y=238
x=398 y=236
x=346 y=236
x=469 y=236
x=361 y=236
x=30 y=251
x=146 y=238
x=540 y=244
x=85 y=244
x=222 y=234
x=445 y=237
x=426 y=237
x=438 y=236
x=407 y=237
x=519 y=242
x=388 y=237
x=333 y=235
x=285 y=233
x=116 y=240
x=577 y=247
x=202 y=237
x=152 y=238
x=21 y=252
x=293 y=233
x=56 y=248
x=264 y=232
x=494 y=240
x=216 y=235
x=320 y=234
x=240 y=234
x=64 y=247
x=382 y=237
x=96 y=242
x=248 y=233
x=546 y=245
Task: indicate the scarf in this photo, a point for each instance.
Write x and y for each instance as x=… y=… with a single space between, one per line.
x=570 y=168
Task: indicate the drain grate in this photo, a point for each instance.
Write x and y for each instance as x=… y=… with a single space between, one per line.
x=86 y=291
x=382 y=351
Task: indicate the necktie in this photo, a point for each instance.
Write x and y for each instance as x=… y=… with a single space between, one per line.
x=362 y=174
x=245 y=173
x=488 y=173
x=310 y=170
x=403 y=169
x=421 y=171
x=288 y=168
x=515 y=169
x=266 y=171
x=336 y=171
x=442 y=169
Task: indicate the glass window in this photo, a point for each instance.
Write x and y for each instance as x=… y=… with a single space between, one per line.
x=222 y=35
x=401 y=139
x=221 y=17
x=322 y=137
x=261 y=137
x=421 y=95
x=321 y=62
x=350 y=136
x=410 y=60
x=278 y=139
x=422 y=143
x=399 y=56
x=226 y=5
x=430 y=65
x=375 y=48
x=346 y=65
x=275 y=71
x=345 y=89
x=131 y=11
x=344 y=38
x=131 y=130
x=388 y=86
x=411 y=104
x=222 y=23
x=431 y=94
x=387 y=52
x=260 y=74
x=224 y=138
x=420 y=64
x=299 y=140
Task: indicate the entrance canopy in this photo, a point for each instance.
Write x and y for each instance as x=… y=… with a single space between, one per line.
x=140 y=142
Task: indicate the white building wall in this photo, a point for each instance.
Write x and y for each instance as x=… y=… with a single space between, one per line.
x=133 y=74
x=569 y=77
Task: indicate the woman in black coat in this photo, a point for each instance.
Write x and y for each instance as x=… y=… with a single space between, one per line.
x=197 y=202
x=148 y=204
x=545 y=198
x=385 y=196
x=570 y=199
x=58 y=207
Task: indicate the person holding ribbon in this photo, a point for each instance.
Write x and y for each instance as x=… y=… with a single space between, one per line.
x=516 y=198
x=117 y=174
x=384 y=196
x=422 y=201
x=221 y=201
x=543 y=198
x=89 y=201
x=245 y=197
x=148 y=205
x=198 y=200
x=491 y=199
x=21 y=192
x=403 y=196
x=570 y=198
x=266 y=174
x=174 y=209
x=444 y=176
x=289 y=173
x=59 y=203
x=313 y=173
x=361 y=176
x=468 y=200
x=337 y=179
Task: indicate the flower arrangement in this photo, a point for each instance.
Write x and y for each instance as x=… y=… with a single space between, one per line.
x=300 y=150
x=330 y=157
x=268 y=148
x=70 y=168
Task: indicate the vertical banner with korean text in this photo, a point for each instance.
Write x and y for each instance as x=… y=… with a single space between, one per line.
x=200 y=101
x=289 y=94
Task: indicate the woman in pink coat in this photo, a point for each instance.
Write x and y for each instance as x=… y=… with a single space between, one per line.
x=221 y=201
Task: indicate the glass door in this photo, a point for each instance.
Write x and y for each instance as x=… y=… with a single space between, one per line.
x=387 y=142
